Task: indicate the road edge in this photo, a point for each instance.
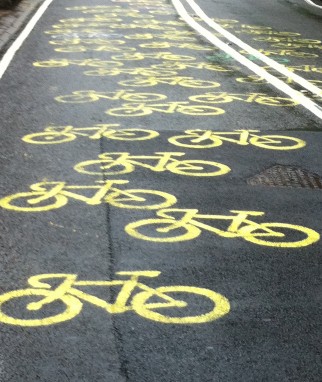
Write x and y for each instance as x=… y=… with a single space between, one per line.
x=28 y=8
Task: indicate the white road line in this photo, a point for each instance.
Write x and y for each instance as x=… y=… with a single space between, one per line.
x=9 y=55
x=297 y=96
x=313 y=4
x=275 y=65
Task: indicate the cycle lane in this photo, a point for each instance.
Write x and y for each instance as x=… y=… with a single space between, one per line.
x=192 y=271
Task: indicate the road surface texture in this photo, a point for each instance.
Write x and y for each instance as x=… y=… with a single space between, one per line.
x=160 y=193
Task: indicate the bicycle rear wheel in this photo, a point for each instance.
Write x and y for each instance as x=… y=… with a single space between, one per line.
x=190 y=142
x=160 y=231
x=199 y=84
x=104 y=166
x=128 y=111
x=132 y=135
x=20 y=202
x=216 y=305
x=201 y=110
x=72 y=307
x=48 y=138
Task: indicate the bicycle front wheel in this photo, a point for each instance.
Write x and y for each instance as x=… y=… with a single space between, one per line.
x=162 y=230
x=24 y=202
x=48 y=138
x=141 y=199
x=198 y=168
x=11 y=302
x=295 y=235
x=193 y=142
x=277 y=142
x=214 y=305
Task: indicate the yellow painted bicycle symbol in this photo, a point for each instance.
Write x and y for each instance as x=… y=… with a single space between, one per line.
x=63 y=134
x=188 y=82
x=159 y=56
x=165 y=45
x=203 y=139
x=176 y=36
x=261 y=98
x=20 y=307
x=83 y=96
x=177 y=65
x=123 y=163
x=91 y=41
x=92 y=62
x=174 y=225
x=142 y=109
x=46 y=196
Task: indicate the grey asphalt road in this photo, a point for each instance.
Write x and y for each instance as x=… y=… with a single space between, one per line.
x=129 y=144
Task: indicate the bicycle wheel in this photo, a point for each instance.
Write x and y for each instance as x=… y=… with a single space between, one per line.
x=48 y=138
x=72 y=307
x=277 y=142
x=141 y=199
x=128 y=57
x=144 y=97
x=211 y=98
x=215 y=305
x=199 y=84
x=71 y=49
x=194 y=143
x=108 y=65
x=201 y=110
x=104 y=166
x=155 y=73
x=198 y=168
x=139 y=83
x=160 y=231
x=129 y=111
x=51 y=63
x=133 y=135
x=310 y=236
x=22 y=202
x=276 y=101
x=175 y=57
x=101 y=72
x=79 y=97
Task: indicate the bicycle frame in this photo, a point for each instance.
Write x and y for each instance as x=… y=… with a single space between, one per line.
x=162 y=158
x=168 y=108
x=60 y=188
x=121 y=302
x=233 y=229
x=202 y=135
x=101 y=130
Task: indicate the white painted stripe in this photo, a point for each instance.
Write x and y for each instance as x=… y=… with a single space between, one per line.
x=275 y=65
x=8 y=56
x=313 y=4
x=297 y=96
